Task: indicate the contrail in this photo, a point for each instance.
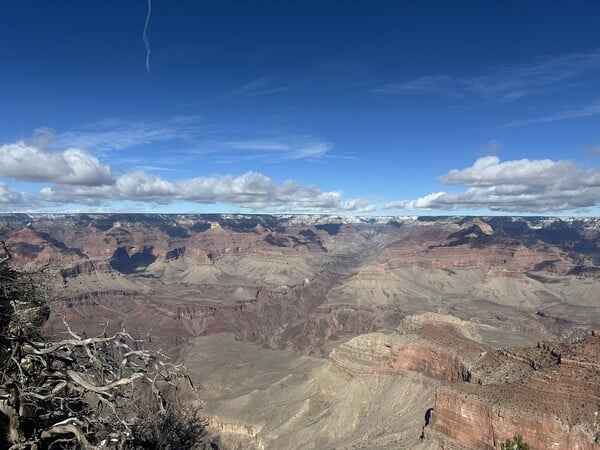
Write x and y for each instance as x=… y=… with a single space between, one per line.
x=145 y=36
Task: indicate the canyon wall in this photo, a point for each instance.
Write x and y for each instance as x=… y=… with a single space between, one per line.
x=363 y=295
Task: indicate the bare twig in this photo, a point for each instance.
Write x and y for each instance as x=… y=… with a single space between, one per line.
x=77 y=392
x=6 y=256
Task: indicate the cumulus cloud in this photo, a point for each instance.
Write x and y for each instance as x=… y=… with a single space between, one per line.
x=251 y=190
x=490 y=171
x=10 y=197
x=23 y=161
x=538 y=186
x=76 y=177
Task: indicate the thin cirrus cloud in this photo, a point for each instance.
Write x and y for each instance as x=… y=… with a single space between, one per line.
x=538 y=186
x=118 y=134
x=508 y=83
x=271 y=149
x=260 y=86
x=588 y=110
x=192 y=139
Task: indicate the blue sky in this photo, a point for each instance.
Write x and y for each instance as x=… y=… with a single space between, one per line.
x=391 y=108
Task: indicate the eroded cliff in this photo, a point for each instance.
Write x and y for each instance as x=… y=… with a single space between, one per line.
x=360 y=292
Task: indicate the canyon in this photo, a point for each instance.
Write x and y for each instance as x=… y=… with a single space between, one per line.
x=307 y=331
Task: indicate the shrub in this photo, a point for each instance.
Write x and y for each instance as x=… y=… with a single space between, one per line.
x=516 y=443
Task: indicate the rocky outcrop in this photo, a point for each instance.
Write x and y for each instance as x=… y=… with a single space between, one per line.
x=420 y=344
x=380 y=354
x=554 y=402
x=84 y=268
x=477 y=424
x=550 y=393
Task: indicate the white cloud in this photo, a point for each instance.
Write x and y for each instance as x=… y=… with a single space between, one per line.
x=490 y=171
x=9 y=197
x=137 y=186
x=22 y=161
x=251 y=190
x=143 y=186
x=537 y=186
x=74 y=176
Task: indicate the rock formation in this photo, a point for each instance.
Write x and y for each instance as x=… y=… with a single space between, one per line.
x=361 y=294
x=549 y=394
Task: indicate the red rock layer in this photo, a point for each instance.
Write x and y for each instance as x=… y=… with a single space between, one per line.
x=479 y=425
x=554 y=404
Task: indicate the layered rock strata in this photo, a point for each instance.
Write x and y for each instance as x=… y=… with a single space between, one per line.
x=550 y=394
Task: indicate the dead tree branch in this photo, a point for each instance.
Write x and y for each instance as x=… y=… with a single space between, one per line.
x=77 y=392
x=6 y=256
